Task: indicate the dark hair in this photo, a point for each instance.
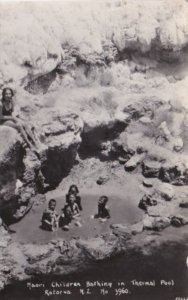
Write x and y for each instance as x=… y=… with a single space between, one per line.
x=4 y=91
x=68 y=196
x=51 y=201
x=103 y=200
x=73 y=186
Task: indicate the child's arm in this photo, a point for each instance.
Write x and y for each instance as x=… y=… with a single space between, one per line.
x=46 y=218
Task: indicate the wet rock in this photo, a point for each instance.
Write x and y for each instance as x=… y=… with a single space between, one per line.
x=132 y=163
x=98 y=249
x=155 y=223
x=151 y=168
x=147 y=183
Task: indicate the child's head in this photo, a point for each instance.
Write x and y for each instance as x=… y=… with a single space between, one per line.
x=73 y=189
x=71 y=198
x=103 y=200
x=52 y=204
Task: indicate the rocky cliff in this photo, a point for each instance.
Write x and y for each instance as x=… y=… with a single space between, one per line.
x=104 y=85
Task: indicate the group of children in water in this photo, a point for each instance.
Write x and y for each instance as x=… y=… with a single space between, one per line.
x=51 y=220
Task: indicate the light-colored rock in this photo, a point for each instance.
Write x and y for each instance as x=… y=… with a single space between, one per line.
x=122 y=231
x=166 y=191
x=36 y=253
x=177 y=144
x=132 y=163
x=145 y=120
x=155 y=223
x=98 y=249
x=147 y=183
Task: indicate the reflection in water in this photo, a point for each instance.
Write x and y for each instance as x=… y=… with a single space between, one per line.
x=165 y=264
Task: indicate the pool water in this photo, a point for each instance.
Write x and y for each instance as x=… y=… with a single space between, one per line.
x=122 y=210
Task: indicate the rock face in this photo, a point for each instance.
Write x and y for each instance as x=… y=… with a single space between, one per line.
x=11 y=155
x=93 y=95
x=61 y=136
x=52 y=28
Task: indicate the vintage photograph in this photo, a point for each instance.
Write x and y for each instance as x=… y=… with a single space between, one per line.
x=94 y=150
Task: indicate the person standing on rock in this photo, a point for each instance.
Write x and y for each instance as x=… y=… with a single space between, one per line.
x=7 y=119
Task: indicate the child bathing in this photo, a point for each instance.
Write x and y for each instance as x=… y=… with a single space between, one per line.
x=103 y=210
x=70 y=212
x=50 y=218
x=74 y=190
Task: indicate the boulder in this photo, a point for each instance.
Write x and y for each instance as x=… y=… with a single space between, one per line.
x=145 y=120
x=179 y=219
x=174 y=172
x=98 y=249
x=177 y=144
x=147 y=200
x=102 y=180
x=184 y=204
x=122 y=231
x=147 y=183
x=132 y=163
x=151 y=168
x=166 y=191
x=11 y=155
x=36 y=253
x=155 y=223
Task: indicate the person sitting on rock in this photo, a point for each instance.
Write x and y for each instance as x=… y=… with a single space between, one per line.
x=7 y=119
x=103 y=210
x=74 y=190
x=70 y=212
x=50 y=218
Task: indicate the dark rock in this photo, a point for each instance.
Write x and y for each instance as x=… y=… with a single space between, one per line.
x=102 y=180
x=174 y=173
x=184 y=204
x=146 y=201
x=177 y=222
